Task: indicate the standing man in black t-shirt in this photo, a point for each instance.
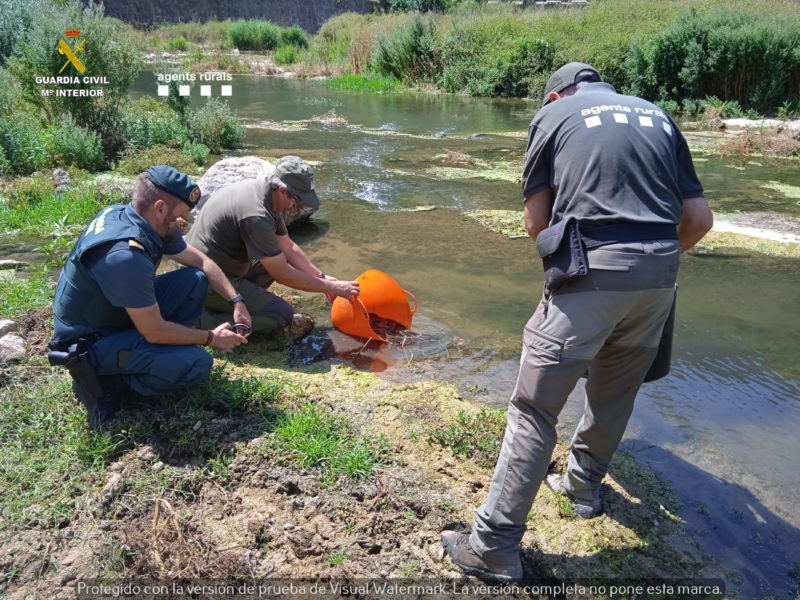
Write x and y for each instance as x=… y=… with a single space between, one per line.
x=617 y=170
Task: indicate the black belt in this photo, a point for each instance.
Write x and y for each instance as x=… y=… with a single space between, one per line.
x=615 y=233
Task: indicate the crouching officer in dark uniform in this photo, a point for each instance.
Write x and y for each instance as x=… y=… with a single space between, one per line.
x=118 y=326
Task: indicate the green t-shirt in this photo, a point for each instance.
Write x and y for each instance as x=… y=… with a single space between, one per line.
x=237 y=226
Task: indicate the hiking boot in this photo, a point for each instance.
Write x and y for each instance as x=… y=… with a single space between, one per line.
x=301 y=325
x=585 y=510
x=99 y=410
x=461 y=553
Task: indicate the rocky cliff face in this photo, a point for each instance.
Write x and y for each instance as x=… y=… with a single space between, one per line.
x=308 y=14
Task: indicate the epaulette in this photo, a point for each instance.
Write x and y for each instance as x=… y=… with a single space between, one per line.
x=135 y=244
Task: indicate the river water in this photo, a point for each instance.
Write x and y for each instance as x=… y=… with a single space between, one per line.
x=395 y=184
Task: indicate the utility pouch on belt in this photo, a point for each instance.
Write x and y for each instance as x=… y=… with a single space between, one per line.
x=562 y=252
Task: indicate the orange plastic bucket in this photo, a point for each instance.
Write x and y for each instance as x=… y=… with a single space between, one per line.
x=380 y=295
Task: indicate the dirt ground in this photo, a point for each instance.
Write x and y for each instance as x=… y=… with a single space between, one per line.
x=156 y=513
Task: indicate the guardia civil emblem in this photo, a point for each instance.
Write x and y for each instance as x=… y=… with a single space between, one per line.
x=71 y=54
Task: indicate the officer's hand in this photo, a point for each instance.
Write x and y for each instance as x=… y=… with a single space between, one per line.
x=345 y=289
x=225 y=338
x=241 y=314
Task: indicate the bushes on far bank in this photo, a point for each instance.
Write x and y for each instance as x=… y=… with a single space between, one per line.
x=736 y=55
x=673 y=51
x=255 y=34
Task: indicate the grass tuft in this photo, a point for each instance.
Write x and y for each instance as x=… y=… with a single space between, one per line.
x=320 y=440
x=369 y=82
x=477 y=436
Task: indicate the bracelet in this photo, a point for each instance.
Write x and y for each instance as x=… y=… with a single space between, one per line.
x=236 y=298
x=210 y=337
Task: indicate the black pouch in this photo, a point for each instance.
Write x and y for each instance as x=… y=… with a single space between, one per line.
x=562 y=252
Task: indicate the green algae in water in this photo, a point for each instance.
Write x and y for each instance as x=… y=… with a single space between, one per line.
x=510 y=223
x=790 y=191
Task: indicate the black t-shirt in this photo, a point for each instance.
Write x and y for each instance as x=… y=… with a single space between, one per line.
x=608 y=158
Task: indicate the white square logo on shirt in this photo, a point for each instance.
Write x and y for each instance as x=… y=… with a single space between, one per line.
x=645 y=121
x=620 y=117
x=593 y=121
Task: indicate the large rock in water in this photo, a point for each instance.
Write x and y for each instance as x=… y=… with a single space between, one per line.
x=231 y=170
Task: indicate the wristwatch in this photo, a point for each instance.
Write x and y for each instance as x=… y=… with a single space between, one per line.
x=236 y=298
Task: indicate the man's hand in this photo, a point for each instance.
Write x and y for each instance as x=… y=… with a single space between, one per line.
x=241 y=314
x=224 y=338
x=345 y=289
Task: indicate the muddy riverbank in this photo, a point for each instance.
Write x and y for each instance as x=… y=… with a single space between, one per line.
x=165 y=506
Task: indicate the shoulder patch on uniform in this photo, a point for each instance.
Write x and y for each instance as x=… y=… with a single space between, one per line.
x=135 y=244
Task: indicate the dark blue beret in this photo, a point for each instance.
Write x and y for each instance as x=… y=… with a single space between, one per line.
x=176 y=183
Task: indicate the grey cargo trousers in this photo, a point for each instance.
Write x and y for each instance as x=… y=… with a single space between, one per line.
x=608 y=322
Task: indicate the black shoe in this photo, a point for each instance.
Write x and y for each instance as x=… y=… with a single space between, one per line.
x=99 y=410
x=585 y=510
x=461 y=553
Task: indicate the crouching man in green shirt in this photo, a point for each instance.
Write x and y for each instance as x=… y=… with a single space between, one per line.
x=241 y=228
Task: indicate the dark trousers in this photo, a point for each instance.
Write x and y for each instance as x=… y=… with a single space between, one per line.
x=156 y=369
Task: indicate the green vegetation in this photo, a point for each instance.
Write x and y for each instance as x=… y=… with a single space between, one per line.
x=285 y=54
x=252 y=34
x=318 y=439
x=294 y=36
x=673 y=52
x=110 y=54
x=72 y=145
x=736 y=54
x=408 y=52
x=177 y=44
x=34 y=206
x=39 y=131
x=18 y=294
x=216 y=125
x=476 y=436
x=134 y=161
x=49 y=456
x=369 y=82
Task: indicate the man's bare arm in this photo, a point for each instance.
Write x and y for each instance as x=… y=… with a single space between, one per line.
x=287 y=275
x=149 y=322
x=538 y=209
x=192 y=257
x=696 y=221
